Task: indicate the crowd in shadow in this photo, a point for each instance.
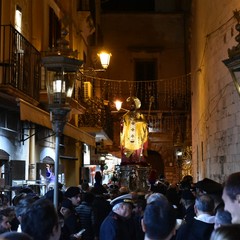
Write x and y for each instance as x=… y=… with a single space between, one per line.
x=205 y=210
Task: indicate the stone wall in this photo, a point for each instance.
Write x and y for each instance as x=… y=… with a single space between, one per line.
x=215 y=101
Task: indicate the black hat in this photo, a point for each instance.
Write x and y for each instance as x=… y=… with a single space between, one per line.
x=209 y=186
x=72 y=192
x=187 y=195
x=126 y=198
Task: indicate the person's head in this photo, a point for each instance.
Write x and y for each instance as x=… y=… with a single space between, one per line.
x=10 y=212
x=123 y=190
x=5 y=225
x=159 y=221
x=98 y=177
x=231 y=196
x=22 y=206
x=85 y=187
x=123 y=209
x=139 y=206
x=15 y=236
x=156 y=197
x=204 y=204
x=187 y=198
x=50 y=196
x=66 y=208
x=41 y=221
x=133 y=103
x=186 y=182
x=226 y=232
x=123 y=205
x=222 y=217
x=74 y=194
x=4 y=201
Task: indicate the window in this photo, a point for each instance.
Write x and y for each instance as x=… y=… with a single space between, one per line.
x=54 y=29
x=145 y=73
x=18 y=18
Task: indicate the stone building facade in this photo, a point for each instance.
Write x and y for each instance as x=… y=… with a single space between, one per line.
x=215 y=101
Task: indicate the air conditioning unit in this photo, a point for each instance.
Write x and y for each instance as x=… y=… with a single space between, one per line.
x=87 y=90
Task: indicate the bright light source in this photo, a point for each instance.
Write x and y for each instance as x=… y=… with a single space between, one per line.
x=105 y=59
x=179 y=153
x=118 y=104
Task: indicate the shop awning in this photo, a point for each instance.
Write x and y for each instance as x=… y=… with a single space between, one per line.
x=31 y=113
x=99 y=134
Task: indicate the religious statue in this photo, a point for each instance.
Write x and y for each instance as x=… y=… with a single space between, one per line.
x=133 y=134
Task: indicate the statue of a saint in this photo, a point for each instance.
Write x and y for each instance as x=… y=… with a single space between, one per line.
x=133 y=134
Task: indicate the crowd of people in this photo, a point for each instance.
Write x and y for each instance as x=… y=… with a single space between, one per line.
x=205 y=210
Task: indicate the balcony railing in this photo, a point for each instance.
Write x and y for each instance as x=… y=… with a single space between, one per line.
x=19 y=62
x=20 y=68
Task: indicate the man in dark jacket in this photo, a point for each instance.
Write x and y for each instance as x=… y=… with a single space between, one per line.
x=101 y=208
x=201 y=227
x=187 y=202
x=119 y=224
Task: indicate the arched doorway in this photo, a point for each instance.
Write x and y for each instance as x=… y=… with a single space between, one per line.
x=155 y=160
x=44 y=167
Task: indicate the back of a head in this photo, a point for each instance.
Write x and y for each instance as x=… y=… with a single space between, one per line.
x=204 y=203
x=226 y=232
x=23 y=205
x=85 y=186
x=50 y=196
x=156 y=197
x=98 y=177
x=15 y=236
x=232 y=185
x=159 y=220
x=222 y=217
x=40 y=219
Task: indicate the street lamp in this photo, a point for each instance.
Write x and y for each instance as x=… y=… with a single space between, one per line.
x=233 y=62
x=60 y=73
x=104 y=59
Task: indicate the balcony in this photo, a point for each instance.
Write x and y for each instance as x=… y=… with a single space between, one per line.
x=20 y=77
x=19 y=65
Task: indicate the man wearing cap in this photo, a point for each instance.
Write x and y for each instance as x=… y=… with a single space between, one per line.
x=213 y=189
x=119 y=225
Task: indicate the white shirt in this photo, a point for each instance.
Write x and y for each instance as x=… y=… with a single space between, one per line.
x=205 y=217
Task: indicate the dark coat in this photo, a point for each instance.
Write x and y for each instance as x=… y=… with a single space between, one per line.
x=86 y=216
x=101 y=208
x=189 y=214
x=71 y=226
x=195 y=230
x=115 y=227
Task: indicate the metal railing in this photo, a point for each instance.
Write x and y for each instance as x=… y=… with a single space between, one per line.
x=19 y=62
